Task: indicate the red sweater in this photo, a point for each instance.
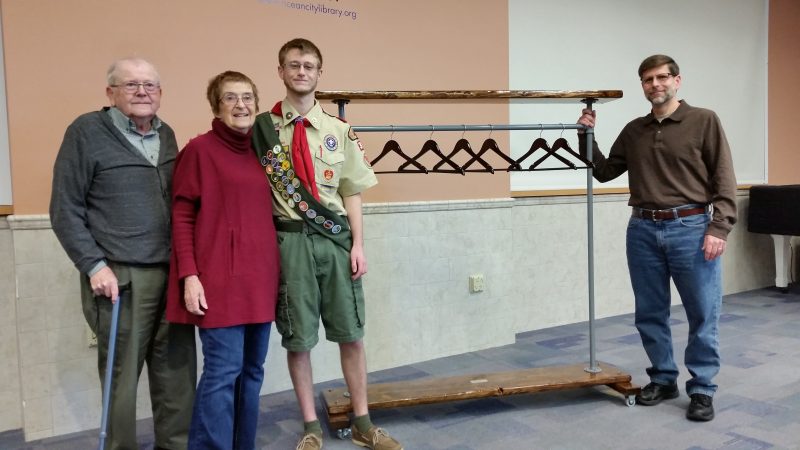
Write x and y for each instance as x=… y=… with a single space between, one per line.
x=222 y=231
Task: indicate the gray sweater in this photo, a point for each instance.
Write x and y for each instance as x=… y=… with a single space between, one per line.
x=108 y=202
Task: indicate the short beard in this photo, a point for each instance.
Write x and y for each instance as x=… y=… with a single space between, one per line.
x=658 y=101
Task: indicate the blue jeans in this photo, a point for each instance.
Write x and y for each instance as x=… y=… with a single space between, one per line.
x=658 y=250
x=225 y=415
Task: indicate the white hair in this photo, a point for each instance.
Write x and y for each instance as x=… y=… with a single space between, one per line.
x=111 y=74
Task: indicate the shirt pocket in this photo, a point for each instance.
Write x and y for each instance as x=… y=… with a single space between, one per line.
x=328 y=167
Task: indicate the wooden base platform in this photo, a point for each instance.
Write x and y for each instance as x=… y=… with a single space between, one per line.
x=464 y=387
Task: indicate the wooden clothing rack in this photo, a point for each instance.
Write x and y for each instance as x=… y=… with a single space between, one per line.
x=436 y=390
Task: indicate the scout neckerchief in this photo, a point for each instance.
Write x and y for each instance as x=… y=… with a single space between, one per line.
x=278 y=167
x=301 y=155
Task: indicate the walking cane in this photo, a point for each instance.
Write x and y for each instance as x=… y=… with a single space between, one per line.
x=112 y=342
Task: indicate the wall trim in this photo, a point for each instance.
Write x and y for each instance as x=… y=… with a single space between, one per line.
x=29 y=222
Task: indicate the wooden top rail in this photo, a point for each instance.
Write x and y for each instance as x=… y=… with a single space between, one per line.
x=549 y=96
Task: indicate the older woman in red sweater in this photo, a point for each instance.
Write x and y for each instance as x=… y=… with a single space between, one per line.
x=225 y=265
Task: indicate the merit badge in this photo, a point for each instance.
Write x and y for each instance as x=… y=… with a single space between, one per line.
x=277 y=148
x=286 y=165
x=331 y=143
x=265 y=159
x=328 y=224
x=336 y=229
x=285 y=195
x=274 y=178
x=269 y=170
x=270 y=155
x=290 y=174
x=311 y=214
x=296 y=196
x=295 y=182
x=285 y=181
x=279 y=171
x=290 y=202
x=281 y=157
x=319 y=219
x=303 y=206
x=285 y=148
x=290 y=189
x=328 y=174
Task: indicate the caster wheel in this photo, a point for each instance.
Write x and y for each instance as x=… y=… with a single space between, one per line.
x=630 y=400
x=343 y=433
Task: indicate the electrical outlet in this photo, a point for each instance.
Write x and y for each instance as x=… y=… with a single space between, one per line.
x=476 y=283
x=91 y=338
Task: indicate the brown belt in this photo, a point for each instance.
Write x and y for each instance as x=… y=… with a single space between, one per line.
x=666 y=214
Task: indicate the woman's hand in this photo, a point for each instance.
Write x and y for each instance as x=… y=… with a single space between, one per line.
x=193 y=295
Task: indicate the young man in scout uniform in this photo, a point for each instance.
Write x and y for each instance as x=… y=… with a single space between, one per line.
x=317 y=170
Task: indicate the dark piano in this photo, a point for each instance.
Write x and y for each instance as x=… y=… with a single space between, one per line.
x=775 y=210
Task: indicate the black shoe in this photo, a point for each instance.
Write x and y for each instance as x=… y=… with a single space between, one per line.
x=701 y=408
x=653 y=393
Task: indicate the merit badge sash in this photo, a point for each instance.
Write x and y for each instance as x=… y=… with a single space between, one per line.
x=277 y=165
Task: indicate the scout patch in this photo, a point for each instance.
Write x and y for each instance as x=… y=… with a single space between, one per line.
x=328 y=174
x=331 y=143
x=352 y=134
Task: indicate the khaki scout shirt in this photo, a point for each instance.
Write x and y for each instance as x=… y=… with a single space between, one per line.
x=341 y=168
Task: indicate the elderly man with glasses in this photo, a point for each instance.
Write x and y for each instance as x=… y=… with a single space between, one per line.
x=683 y=198
x=110 y=209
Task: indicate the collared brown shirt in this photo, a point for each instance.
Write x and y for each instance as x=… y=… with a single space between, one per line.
x=683 y=159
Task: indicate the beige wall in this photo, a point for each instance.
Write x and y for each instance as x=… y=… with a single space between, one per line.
x=784 y=66
x=57 y=53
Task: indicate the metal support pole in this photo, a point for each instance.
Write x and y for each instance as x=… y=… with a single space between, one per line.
x=462 y=128
x=341 y=102
x=593 y=368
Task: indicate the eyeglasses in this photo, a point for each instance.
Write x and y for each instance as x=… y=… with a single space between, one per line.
x=661 y=78
x=133 y=86
x=229 y=98
x=295 y=66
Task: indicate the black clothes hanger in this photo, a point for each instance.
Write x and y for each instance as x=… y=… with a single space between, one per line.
x=463 y=145
x=432 y=146
x=491 y=144
x=562 y=143
x=541 y=143
x=392 y=146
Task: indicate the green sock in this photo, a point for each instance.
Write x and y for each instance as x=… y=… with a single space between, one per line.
x=313 y=427
x=362 y=423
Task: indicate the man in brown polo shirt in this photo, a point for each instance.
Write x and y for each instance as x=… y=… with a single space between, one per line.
x=683 y=192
